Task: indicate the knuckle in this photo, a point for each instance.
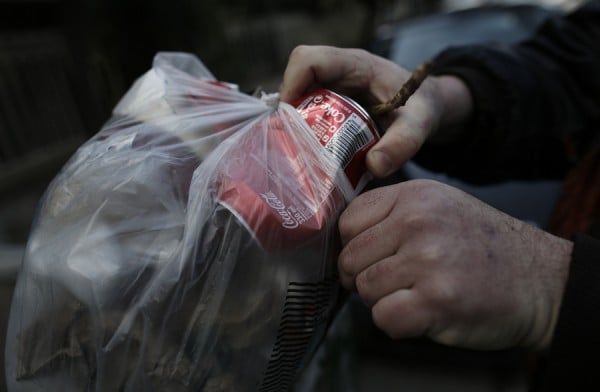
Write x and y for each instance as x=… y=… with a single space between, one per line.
x=426 y=187
x=382 y=319
x=424 y=204
x=363 y=286
x=449 y=294
x=372 y=198
x=415 y=221
x=433 y=253
x=346 y=262
x=345 y=224
x=444 y=294
x=368 y=281
x=383 y=268
x=299 y=52
x=366 y=239
x=362 y=54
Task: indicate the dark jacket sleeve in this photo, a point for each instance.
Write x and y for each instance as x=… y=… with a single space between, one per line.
x=568 y=367
x=529 y=98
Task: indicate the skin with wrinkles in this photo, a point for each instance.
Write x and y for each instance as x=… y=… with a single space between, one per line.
x=428 y=258
x=432 y=260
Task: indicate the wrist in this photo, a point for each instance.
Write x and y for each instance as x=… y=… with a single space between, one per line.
x=555 y=255
x=456 y=105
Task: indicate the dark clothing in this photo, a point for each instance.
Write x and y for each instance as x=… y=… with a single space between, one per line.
x=572 y=364
x=537 y=112
x=528 y=98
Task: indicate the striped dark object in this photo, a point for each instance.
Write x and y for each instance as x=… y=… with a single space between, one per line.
x=305 y=315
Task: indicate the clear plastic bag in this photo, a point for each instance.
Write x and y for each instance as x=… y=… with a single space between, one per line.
x=189 y=245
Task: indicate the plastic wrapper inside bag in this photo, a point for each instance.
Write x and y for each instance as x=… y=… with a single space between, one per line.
x=189 y=245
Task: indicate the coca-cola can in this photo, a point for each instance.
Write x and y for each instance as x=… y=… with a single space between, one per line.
x=277 y=202
x=344 y=128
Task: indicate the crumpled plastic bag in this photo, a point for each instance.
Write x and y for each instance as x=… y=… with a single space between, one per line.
x=189 y=245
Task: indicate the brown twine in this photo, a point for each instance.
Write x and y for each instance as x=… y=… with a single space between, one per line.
x=407 y=89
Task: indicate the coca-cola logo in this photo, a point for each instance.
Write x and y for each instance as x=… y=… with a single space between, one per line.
x=287 y=220
x=325 y=107
x=333 y=113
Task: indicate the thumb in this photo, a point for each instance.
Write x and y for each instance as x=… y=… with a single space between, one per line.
x=399 y=144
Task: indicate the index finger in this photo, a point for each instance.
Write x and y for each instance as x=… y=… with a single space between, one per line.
x=365 y=211
x=310 y=66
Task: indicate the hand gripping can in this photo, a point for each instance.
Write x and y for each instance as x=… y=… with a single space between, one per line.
x=273 y=212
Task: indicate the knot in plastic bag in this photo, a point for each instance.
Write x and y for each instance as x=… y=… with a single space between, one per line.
x=271 y=99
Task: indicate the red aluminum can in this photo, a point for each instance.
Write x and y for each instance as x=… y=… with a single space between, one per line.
x=344 y=128
x=281 y=202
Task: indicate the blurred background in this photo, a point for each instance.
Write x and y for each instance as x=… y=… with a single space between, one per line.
x=64 y=64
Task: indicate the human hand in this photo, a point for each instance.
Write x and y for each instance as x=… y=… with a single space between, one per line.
x=434 y=261
x=440 y=102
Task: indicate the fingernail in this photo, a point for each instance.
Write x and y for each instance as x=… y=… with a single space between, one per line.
x=381 y=163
